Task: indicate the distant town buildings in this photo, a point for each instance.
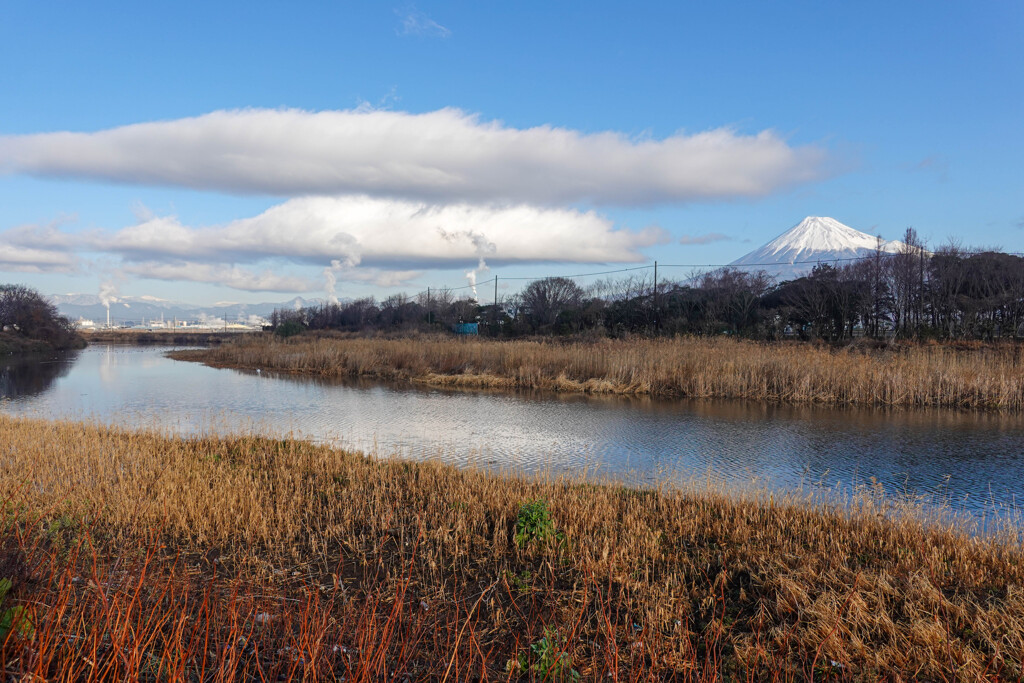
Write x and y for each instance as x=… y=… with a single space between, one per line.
x=251 y=324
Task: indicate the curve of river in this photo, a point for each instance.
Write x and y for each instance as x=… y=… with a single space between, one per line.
x=973 y=461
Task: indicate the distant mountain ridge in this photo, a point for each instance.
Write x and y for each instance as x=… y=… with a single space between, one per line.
x=815 y=239
x=135 y=309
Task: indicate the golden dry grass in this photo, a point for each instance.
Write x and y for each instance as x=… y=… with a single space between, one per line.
x=145 y=556
x=965 y=376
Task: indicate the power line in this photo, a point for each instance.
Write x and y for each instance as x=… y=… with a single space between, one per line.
x=714 y=265
x=427 y=291
x=546 y=277
x=603 y=272
x=794 y=263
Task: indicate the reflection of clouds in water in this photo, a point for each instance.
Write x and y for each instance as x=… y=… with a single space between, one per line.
x=107 y=367
x=639 y=440
x=113 y=357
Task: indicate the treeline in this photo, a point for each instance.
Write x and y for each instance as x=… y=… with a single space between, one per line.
x=30 y=323
x=948 y=294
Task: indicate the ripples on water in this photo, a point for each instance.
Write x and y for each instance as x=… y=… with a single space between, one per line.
x=972 y=461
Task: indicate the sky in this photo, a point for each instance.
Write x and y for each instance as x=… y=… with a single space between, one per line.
x=250 y=152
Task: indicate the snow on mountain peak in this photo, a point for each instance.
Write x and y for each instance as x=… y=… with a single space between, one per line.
x=814 y=239
x=817 y=233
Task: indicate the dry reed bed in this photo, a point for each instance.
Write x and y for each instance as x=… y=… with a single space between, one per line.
x=140 y=556
x=978 y=377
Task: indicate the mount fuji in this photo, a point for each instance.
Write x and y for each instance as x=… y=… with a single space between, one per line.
x=814 y=240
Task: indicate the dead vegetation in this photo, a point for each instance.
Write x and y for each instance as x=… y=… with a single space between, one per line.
x=970 y=376
x=136 y=556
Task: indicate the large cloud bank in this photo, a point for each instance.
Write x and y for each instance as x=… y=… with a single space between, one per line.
x=375 y=196
x=442 y=156
x=389 y=233
x=357 y=238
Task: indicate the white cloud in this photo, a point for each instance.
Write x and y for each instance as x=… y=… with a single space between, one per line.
x=416 y=23
x=441 y=156
x=32 y=260
x=36 y=236
x=361 y=239
x=220 y=274
x=37 y=249
x=388 y=233
x=706 y=238
x=376 y=276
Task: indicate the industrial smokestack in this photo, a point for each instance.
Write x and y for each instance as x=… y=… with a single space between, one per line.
x=108 y=294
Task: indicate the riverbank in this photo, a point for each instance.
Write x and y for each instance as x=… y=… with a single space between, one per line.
x=146 y=337
x=136 y=555
x=14 y=345
x=967 y=376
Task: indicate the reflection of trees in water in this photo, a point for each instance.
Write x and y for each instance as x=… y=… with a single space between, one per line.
x=745 y=411
x=31 y=376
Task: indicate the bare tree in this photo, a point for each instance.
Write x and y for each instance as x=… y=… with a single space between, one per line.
x=544 y=300
x=733 y=295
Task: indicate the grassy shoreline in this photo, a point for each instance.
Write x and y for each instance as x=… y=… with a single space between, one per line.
x=179 y=336
x=966 y=376
x=18 y=346
x=138 y=555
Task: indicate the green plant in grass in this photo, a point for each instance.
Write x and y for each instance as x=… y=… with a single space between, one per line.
x=534 y=523
x=521 y=582
x=14 y=618
x=546 y=658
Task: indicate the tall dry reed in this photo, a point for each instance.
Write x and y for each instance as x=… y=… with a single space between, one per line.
x=145 y=556
x=975 y=377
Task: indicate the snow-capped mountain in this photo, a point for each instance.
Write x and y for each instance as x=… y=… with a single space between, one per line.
x=815 y=239
x=95 y=300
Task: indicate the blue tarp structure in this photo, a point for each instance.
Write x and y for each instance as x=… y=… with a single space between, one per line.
x=467 y=328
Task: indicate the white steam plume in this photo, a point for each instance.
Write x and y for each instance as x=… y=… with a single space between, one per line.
x=483 y=248
x=331 y=280
x=108 y=295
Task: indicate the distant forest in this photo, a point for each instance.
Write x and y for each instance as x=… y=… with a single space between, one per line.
x=950 y=293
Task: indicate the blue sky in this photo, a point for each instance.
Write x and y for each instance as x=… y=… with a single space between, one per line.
x=882 y=115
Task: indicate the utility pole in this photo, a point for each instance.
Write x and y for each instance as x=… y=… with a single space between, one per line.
x=920 y=303
x=428 y=306
x=495 y=306
x=655 y=293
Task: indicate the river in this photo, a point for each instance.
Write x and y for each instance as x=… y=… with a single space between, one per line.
x=972 y=461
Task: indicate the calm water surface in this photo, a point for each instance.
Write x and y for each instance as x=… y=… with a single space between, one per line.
x=971 y=460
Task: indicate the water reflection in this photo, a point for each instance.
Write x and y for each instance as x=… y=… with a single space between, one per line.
x=974 y=460
x=32 y=375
